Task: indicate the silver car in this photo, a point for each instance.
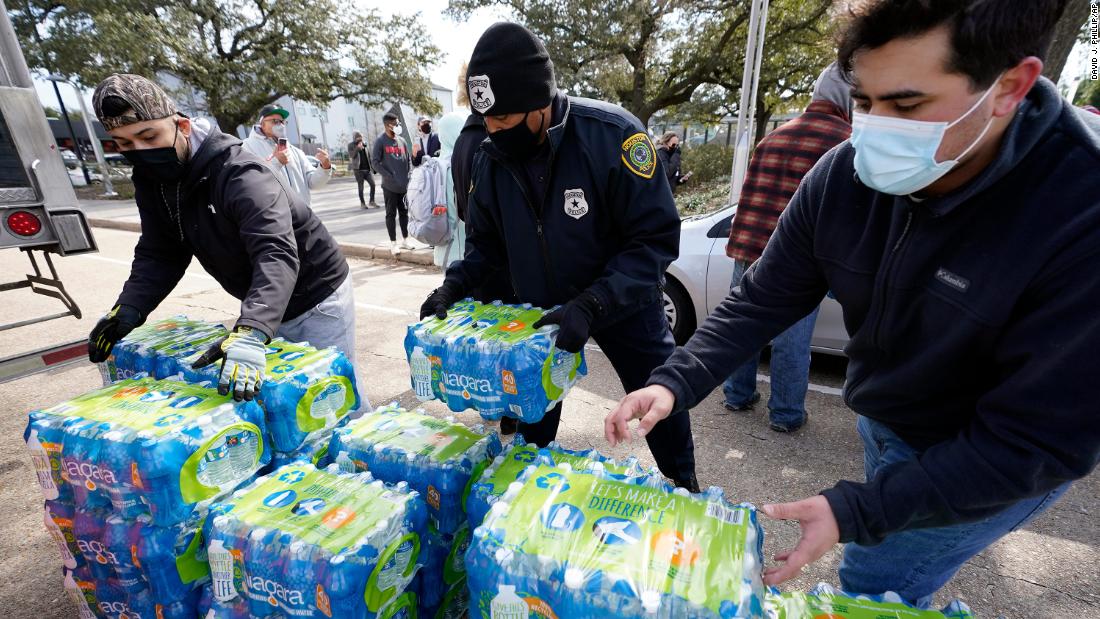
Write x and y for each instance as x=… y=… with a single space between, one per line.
x=700 y=279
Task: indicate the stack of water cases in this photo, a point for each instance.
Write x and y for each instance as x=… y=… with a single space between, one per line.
x=439 y=459
x=127 y=471
x=561 y=543
x=161 y=349
x=491 y=358
x=508 y=466
x=306 y=391
x=305 y=542
x=825 y=601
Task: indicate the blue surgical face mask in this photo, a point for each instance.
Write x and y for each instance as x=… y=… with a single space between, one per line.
x=898 y=156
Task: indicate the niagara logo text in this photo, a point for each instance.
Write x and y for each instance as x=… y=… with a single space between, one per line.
x=275 y=590
x=469 y=383
x=102 y=555
x=84 y=470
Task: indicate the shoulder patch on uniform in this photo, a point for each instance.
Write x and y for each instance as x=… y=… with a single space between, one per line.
x=639 y=156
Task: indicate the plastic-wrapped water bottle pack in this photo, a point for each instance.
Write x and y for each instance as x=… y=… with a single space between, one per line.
x=568 y=544
x=305 y=542
x=314 y=451
x=826 y=601
x=130 y=567
x=159 y=349
x=306 y=391
x=490 y=358
x=146 y=447
x=508 y=466
x=438 y=458
x=441 y=585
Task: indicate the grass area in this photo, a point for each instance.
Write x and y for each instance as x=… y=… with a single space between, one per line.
x=700 y=198
x=94 y=191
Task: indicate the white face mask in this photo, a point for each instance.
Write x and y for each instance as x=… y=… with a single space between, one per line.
x=898 y=156
x=397 y=130
x=279 y=131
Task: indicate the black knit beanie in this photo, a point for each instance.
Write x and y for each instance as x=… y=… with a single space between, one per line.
x=509 y=72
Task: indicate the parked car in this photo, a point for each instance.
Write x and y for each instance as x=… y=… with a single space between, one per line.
x=700 y=279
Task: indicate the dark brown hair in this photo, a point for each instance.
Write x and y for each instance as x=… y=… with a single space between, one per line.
x=987 y=36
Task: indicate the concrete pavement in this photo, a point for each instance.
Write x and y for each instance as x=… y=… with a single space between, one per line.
x=1048 y=569
x=360 y=232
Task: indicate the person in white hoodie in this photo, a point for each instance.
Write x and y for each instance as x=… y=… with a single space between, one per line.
x=268 y=142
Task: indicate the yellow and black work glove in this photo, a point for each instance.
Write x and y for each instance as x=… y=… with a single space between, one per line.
x=244 y=358
x=575 y=319
x=441 y=299
x=110 y=329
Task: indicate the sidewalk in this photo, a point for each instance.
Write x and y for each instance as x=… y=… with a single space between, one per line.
x=360 y=232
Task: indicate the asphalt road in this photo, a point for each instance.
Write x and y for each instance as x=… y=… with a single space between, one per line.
x=1048 y=569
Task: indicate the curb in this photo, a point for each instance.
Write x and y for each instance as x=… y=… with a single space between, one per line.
x=419 y=257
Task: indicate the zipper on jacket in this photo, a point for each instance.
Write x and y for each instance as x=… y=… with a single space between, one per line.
x=880 y=301
x=890 y=263
x=551 y=280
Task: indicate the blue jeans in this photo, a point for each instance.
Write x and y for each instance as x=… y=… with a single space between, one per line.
x=916 y=563
x=790 y=370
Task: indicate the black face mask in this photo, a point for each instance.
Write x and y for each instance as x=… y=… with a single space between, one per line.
x=673 y=148
x=517 y=142
x=426 y=128
x=160 y=164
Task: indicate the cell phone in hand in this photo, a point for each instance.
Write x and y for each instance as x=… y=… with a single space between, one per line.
x=282 y=143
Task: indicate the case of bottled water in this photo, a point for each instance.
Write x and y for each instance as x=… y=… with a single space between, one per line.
x=438 y=458
x=306 y=391
x=146 y=447
x=570 y=544
x=131 y=563
x=307 y=542
x=440 y=585
x=825 y=601
x=490 y=358
x=508 y=466
x=314 y=451
x=158 y=349
x=115 y=599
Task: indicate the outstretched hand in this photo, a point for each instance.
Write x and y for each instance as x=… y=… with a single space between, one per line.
x=650 y=405
x=819 y=533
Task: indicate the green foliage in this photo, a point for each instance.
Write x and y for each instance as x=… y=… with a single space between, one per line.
x=1088 y=93
x=702 y=198
x=707 y=162
x=651 y=55
x=241 y=54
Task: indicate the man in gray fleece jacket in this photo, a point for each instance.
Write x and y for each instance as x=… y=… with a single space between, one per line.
x=390 y=158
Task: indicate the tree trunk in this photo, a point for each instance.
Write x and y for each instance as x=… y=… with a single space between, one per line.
x=763 y=115
x=1065 y=36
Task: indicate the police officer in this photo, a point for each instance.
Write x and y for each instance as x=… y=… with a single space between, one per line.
x=568 y=198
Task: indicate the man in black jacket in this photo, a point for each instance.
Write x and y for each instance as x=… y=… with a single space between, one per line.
x=569 y=198
x=959 y=229
x=200 y=195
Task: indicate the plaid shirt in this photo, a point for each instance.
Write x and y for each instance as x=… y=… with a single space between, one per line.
x=777 y=167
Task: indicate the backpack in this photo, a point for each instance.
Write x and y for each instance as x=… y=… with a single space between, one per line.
x=426 y=200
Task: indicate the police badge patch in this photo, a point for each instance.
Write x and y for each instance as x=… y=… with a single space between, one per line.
x=639 y=156
x=575 y=204
x=481 y=93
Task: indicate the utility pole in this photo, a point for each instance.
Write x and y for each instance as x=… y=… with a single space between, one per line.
x=750 y=84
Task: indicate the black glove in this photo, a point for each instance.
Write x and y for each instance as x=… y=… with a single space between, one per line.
x=575 y=318
x=110 y=329
x=244 y=359
x=441 y=299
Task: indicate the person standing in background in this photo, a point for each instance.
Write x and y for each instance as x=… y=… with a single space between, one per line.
x=449 y=128
x=268 y=141
x=359 y=165
x=427 y=143
x=668 y=151
x=390 y=157
x=781 y=159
